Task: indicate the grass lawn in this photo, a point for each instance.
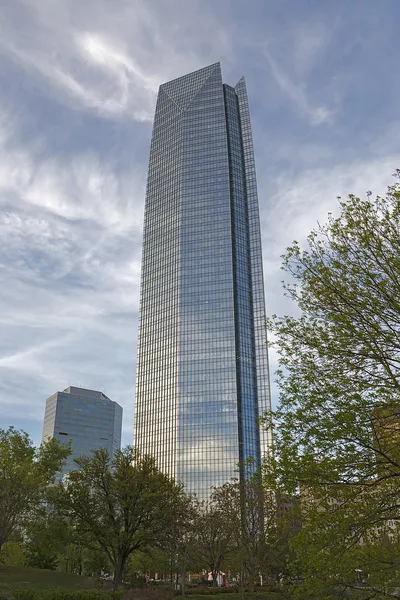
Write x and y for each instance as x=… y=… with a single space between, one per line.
x=39 y=579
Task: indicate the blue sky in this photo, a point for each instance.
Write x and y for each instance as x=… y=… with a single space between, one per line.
x=78 y=84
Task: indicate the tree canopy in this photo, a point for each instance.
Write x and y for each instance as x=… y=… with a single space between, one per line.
x=120 y=504
x=337 y=428
x=25 y=472
x=258 y=536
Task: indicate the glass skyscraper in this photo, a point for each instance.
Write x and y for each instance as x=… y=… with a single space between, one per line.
x=202 y=368
x=86 y=418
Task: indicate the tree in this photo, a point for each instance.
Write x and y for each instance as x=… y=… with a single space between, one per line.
x=243 y=501
x=212 y=538
x=337 y=429
x=77 y=559
x=46 y=538
x=260 y=538
x=336 y=558
x=25 y=473
x=152 y=560
x=119 y=504
x=178 y=538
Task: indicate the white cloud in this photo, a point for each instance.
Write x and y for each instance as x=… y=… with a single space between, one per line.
x=81 y=68
x=82 y=187
x=297 y=94
x=109 y=61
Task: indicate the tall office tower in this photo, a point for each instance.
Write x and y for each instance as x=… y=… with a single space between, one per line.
x=202 y=369
x=88 y=419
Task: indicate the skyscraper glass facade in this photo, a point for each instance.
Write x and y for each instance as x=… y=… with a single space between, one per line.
x=86 y=418
x=202 y=369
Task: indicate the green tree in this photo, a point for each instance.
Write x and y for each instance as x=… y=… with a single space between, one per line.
x=337 y=429
x=339 y=554
x=25 y=473
x=212 y=539
x=119 y=504
x=152 y=560
x=46 y=539
x=244 y=502
x=260 y=534
x=71 y=558
x=178 y=538
x=93 y=560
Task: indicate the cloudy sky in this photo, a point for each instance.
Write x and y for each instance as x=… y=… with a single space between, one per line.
x=78 y=85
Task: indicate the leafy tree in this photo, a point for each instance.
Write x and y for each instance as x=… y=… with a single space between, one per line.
x=93 y=560
x=260 y=535
x=151 y=559
x=337 y=562
x=71 y=559
x=47 y=537
x=25 y=473
x=212 y=539
x=337 y=429
x=178 y=539
x=77 y=559
x=119 y=504
x=243 y=501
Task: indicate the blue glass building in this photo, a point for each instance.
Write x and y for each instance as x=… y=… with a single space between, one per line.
x=86 y=418
x=202 y=368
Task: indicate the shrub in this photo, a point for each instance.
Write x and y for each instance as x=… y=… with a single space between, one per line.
x=12 y=554
x=25 y=594
x=212 y=591
x=266 y=594
x=151 y=593
x=56 y=594
x=135 y=580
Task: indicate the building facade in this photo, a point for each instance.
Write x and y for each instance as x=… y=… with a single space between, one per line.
x=202 y=368
x=86 y=418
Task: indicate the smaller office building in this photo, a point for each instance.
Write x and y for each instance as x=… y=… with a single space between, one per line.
x=86 y=418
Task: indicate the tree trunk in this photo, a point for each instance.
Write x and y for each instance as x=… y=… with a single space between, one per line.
x=119 y=570
x=183 y=574
x=252 y=572
x=242 y=580
x=252 y=576
x=80 y=562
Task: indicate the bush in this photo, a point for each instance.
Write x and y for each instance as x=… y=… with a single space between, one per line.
x=150 y=593
x=135 y=580
x=211 y=591
x=267 y=594
x=12 y=554
x=55 y=594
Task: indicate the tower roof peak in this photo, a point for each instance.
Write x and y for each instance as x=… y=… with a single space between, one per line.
x=183 y=89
